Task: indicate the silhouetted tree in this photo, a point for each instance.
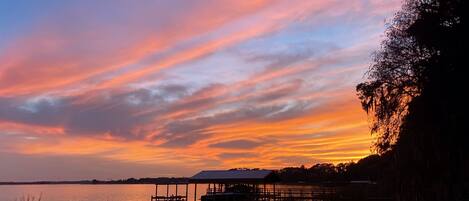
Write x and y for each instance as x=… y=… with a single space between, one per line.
x=294 y=174
x=415 y=93
x=372 y=168
x=323 y=172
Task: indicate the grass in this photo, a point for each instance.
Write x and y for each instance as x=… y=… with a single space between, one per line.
x=30 y=198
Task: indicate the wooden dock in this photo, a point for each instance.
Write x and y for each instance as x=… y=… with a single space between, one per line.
x=168 y=197
x=322 y=194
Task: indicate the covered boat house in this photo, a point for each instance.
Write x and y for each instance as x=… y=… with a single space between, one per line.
x=235 y=185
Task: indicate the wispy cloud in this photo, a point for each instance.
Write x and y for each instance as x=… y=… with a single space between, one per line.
x=188 y=84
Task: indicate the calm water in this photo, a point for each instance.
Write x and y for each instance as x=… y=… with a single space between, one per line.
x=90 y=192
x=74 y=192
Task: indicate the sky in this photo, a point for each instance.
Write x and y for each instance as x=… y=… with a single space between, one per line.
x=114 y=89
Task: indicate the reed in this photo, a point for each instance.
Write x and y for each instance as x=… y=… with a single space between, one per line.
x=29 y=198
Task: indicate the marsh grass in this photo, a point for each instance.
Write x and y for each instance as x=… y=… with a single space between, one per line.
x=29 y=198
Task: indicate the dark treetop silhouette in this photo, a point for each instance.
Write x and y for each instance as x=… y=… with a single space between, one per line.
x=414 y=93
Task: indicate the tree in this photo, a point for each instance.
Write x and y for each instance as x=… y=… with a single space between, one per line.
x=414 y=92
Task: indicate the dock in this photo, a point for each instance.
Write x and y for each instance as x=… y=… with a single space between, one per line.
x=178 y=196
x=240 y=185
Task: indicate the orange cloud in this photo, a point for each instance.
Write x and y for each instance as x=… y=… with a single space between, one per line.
x=19 y=128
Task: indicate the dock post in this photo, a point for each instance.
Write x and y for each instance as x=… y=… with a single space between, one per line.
x=167 y=190
x=176 y=189
x=312 y=194
x=195 y=192
x=187 y=188
x=156 y=190
x=275 y=195
x=265 y=195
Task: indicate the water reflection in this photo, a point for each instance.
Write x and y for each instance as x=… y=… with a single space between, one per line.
x=134 y=192
x=116 y=192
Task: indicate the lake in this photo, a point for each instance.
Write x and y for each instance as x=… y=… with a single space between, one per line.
x=76 y=192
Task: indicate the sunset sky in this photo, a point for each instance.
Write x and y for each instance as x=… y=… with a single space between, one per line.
x=115 y=89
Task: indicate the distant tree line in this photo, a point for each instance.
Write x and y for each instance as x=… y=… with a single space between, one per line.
x=147 y=180
x=373 y=168
x=118 y=181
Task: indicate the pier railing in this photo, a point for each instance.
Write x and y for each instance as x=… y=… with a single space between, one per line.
x=169 y=198
x=262 y=194
x=178 y=196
